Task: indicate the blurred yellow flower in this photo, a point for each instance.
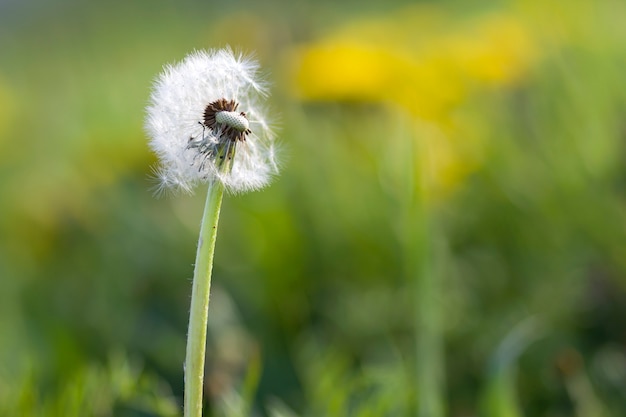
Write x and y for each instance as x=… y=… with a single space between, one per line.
x=498 y=50
x=426 y=62
x=344 y=69
x=427 y=69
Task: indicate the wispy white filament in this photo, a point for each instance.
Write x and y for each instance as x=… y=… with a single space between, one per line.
x=180 y=139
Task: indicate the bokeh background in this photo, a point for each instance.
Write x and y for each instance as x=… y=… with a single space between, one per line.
x=478 y=144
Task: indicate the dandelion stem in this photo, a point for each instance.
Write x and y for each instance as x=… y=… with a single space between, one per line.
x=198 y=316
x=423 y=276
x=422 y=269
x=429 y=344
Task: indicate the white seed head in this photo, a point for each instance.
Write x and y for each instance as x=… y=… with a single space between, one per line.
x=233 y=119
x=206 y=122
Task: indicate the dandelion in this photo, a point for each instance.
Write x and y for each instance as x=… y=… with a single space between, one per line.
x=207 y=122
x=207 y=125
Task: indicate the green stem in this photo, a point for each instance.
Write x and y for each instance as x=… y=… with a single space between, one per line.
x=423 y=278
x=198 y=316
x=429 y=345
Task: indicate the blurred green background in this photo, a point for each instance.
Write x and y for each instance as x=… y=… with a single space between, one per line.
x=504 y=120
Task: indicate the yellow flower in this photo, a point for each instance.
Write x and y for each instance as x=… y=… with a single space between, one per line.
x=498 y=50
x=427 y=70
x=346 y=70
x=426 y=62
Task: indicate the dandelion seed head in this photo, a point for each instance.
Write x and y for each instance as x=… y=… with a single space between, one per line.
x=206 y=121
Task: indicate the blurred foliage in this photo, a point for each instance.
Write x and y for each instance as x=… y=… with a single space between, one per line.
x=117 y=388
x=516 y=110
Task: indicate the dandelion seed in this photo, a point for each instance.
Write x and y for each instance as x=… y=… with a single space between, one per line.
x=207 y=122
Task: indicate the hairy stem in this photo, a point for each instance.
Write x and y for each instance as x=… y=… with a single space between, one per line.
x=198 y=316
